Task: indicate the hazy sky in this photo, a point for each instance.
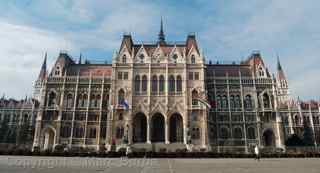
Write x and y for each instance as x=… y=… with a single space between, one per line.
x=225 y=30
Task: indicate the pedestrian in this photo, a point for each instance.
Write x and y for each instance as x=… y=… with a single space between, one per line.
x=256 y=152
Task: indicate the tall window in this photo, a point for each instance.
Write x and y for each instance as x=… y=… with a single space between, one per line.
x=69 y=101
x=92 y=132
x=237 y=101
x=237 y=133
x=194 y=98
x=232 y=102
x=144 y=83
x=251 y=133
x=97 y=101
x=225 y=102
x=141 y=58
x=171 y=84
x=84 y=100
x=161 y=84
x=266 y=101
x=154 y=84
x=193 y=59
x=137 y=84
x=92 y=100
x=261 y=72
x=57 y=71
x=248 y=102
x=120 y=97
x=219 y=102
x=52 y=99
x=124 y=59
x=224 y=133
x=119 y=132
x=179 y=84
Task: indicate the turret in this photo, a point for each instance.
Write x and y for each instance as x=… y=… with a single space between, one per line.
x=282 y=84
x=161 y=36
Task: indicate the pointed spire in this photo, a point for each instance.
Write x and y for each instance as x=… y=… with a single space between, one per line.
x=80 y=59
x=43 y=71
x=161 y=36
x=279 y=67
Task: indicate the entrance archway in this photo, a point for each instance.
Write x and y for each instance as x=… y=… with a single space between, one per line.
x=176 y=128
x=157 y=128
x=48 y=139
x=140 y=128
x=268 y=138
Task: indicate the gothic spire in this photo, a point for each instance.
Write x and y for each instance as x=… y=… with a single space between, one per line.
x=161 y=36
x=43 y=71
x=80 y=59
x=279 y=67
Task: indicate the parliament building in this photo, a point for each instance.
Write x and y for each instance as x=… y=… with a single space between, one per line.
x=158 y=96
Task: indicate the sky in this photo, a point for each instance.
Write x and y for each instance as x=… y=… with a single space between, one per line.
x=225 y=30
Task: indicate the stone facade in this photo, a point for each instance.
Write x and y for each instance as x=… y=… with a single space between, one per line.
x=164 y=96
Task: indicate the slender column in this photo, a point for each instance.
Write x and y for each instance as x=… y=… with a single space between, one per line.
x=167 y=141
x=148 y=129
x=290 y=120
x=243 y=114
x=312 y=125
x=87 y=111
x=278 y=116
x=100 y=112
x=217 y=123
x=257 y=109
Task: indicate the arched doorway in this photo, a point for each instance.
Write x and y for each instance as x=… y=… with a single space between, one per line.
x=268 y=138
x=48 y=139
x=157 y=128
x=176 y=128
x=139 y=128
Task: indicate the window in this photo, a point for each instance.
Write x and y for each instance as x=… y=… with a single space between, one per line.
x=237 y=133
x=194 y=98
x=251 y=133
x=69 y=103
x=232 y=102
x=52 y=99
x=179 y=84
x=171 y=84
x=195 y=133
x=261 y=71
x=175 y=57
x=119 y=132
x=84 y=100
x=97 y=101
x=144 y=83
x=137 y=83
x=57 y=71
x=125 y=75
x=266 y=101
x=237 y=102
x=119 y=75
x=141 y=58
x=193 y=59
x=65 y=132
x=92 y=101
x=124 y=59
x=196 y=76
x=154 y=84
x=224 y=102
x=219 y=102
x=92 y=132
x=120 y=97
x=78 y=132
x=120 y=117
x=161 y=84
x=248 y=102
x=224 y=133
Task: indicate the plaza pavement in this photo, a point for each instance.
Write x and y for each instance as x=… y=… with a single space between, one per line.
x=28 y=164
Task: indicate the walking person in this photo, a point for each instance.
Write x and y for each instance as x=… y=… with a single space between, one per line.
x=256 y=152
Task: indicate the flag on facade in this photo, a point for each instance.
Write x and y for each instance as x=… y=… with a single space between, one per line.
x=125 y=104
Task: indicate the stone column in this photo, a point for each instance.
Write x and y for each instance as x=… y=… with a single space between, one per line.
x=148 y=130
x=166 y=123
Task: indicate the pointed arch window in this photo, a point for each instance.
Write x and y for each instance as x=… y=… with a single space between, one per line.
x=193 y=59
x=69 y=103
x=194 y=98
x=248 y=102
x=219 y=102
x=261 y=72
x=237 y=101
x=161 y=83
x=141 y=58
x=52 y=99
x=266 y=100
x=57 y=71
x=251 y=133
x=154 y=84
x=175 y=58
x=137 y=84
x=124 y=59
x=120 y=97
x=171 y=84
x=97 y=101
x=224 y=102
x=144 y=83
x=179 y=83
x=84 y=100
x=237 y=132
x=232 y=102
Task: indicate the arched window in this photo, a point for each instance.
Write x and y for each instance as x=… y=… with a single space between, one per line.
x=57 y=71
x=179 y=84
x=225 y=102
x=137 y=84
x=232 y=102
x=80 y=100
x=124 y=59
x=92 y=132
x=97 y=101
x=78 y=132
x=237 y=133
x=171 y=84
x=120 y=97
x=144 y=83
x=154 y=84
x=141 y=58
x=219 y=104
x=84 y=100
x=52 y=99
x=161 y=84
x=266 y=101
x=261 y=72
x=175 y=58
x=69 y=101
x=224 y=133
x=194 y=98
x=248 y=102
x=92 y=100
x=251 y=133
x=193 y=59
x=237 y=101
x=119 y=132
